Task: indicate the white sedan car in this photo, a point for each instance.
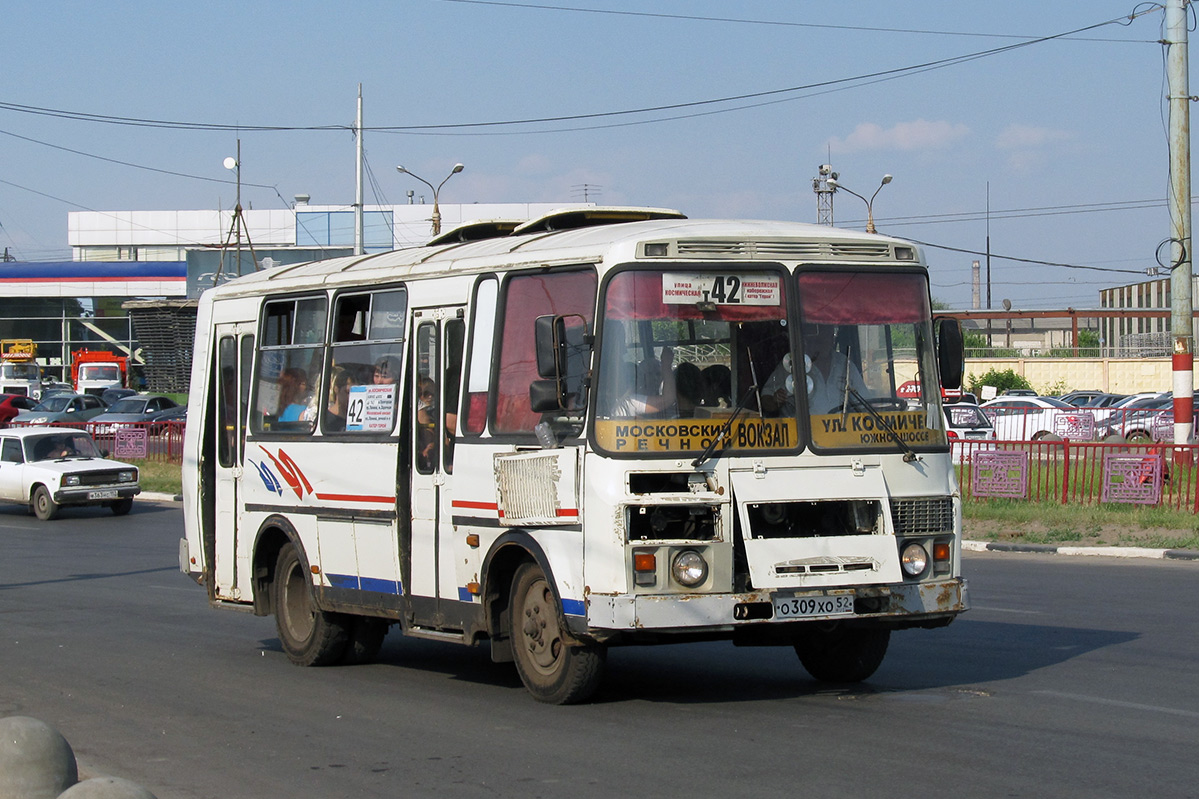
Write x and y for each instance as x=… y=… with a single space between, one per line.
x=47 y=467
x=1033 y=418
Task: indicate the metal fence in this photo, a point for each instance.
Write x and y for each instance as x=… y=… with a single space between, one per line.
x=1077 y=472
x=160 y=442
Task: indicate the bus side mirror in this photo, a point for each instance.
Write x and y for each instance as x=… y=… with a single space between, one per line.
x=545 y=341
x=545 y=396
x=950 y=352
x=561 y=344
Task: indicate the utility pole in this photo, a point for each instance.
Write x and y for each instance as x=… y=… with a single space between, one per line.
x=358 y=245
x=1181 y=324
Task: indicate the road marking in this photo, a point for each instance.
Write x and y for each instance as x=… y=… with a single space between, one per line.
x=1007 y=610
x=1099 y=700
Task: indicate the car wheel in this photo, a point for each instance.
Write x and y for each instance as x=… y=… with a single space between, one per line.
x=121 y=506
x=44 y=506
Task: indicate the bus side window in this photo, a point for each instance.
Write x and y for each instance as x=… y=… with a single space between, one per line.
x=425 y=398
x=455 y=334
x=527 y=297
x=288 y=369
x=365 y=363
x=473 y=413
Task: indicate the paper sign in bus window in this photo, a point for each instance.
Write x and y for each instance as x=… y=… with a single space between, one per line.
x=371 y=409
x=742 y=289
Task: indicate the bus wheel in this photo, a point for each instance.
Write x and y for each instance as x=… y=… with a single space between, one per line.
x=310 y=637
x=366 y=639
x=842 y=654
x=552 y=670
x=44 y=506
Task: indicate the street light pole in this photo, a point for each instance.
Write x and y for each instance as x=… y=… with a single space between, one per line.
x=869 y=203
x=436 y=219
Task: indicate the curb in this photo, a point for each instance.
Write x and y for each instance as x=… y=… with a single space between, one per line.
x=160 y=497
x=1110 y=552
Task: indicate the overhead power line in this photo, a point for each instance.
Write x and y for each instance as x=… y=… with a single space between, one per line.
x=656 y=109
x=768 y=22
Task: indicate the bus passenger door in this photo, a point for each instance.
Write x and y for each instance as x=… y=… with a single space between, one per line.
x=234 y=355
x=437 y=368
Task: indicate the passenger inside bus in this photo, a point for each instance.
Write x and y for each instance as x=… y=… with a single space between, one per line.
x=631 y=402
x=689 y=388
x=718 y=386
x=339 y=399
x=426 y=424
x=293 y=394
x=827 y=374
x=386 y=371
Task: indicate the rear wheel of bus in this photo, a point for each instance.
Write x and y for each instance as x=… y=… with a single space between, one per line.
x=310 y=636
x=552 y=669
x=841 y=653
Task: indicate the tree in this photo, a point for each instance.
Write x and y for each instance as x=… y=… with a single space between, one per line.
x=1001 y=380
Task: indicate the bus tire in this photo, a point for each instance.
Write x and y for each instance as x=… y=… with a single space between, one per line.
x=309 y=636
x=44 y=506
x=553 y=670
x=842 y=654
x=366 y=636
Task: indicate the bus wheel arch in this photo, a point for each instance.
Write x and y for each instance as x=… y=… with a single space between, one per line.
x=506 y=555
x=273 y=534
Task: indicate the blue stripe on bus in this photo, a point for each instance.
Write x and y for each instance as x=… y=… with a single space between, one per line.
x=374 y=584
x=574 y=607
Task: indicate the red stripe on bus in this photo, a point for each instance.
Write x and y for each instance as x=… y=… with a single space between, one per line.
x=355 y=498
x=462 y=503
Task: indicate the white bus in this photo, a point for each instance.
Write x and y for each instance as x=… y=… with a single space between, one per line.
x=605 y=427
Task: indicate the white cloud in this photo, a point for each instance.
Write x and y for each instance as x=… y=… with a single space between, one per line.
x=917 y=135
x=1024 y=137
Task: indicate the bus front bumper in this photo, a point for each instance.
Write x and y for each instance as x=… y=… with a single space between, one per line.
x=926 y=604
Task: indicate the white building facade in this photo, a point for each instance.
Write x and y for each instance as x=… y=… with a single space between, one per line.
x=167 y=235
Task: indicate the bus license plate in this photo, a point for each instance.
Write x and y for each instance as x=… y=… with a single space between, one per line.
x=799 y=607
x=110 y=493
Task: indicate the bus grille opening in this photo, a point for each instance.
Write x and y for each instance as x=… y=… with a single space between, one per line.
x=917 y=516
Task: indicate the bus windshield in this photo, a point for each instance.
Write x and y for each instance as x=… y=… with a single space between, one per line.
x=684 y=352
x=860 y=332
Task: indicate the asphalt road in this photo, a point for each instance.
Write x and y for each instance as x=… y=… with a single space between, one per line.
x=1071 y=677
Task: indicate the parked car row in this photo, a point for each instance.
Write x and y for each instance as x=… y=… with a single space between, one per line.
x=101 y=415
x=1082 y=415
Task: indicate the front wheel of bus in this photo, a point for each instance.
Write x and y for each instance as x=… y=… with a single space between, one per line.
x=310 y=636
x=553 y=670
x=842 y=654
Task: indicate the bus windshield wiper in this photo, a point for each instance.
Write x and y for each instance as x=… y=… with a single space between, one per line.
x=909 y=454
x=724 y=430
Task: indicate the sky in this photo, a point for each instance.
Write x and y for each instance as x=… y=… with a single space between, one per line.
x=1054 y=149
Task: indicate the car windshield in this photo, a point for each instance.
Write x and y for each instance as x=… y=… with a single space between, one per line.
x=53 y=446
x=128 y=405
x=99 y=371
x=970 y=416
x=55 y=404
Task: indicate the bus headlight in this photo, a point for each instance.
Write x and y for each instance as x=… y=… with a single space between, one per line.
x=914 y=560
x=689 y=568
